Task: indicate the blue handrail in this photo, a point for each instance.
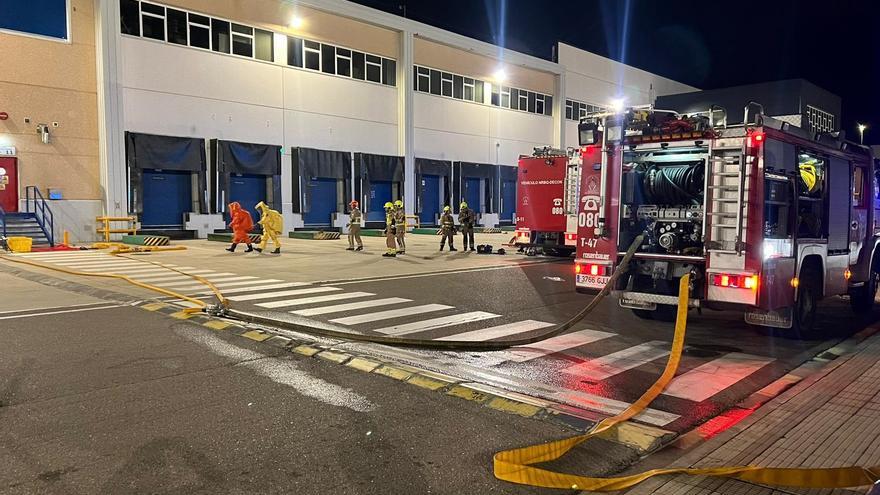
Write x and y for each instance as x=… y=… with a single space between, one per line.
x=42 y=212
x=3 y=219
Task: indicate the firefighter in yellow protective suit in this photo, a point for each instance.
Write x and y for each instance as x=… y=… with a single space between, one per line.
x=400 y=223
x=447 y=228
x=390 y=231
x=273 y=224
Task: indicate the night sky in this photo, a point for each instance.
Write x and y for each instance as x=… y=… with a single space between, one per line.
x=833 y=43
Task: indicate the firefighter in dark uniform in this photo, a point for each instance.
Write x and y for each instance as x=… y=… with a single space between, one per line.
x=447 y=227
x=467 y=218
x=400 y=223
x=390 y=232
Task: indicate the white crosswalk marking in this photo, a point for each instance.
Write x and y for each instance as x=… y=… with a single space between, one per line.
x=708 y=379
x=316 y=299
x=107 y=261
x=613 y=407
x=620 y=361
x=499 y=331
x=434 y=323
x=393 y=313
x=60 y=256
x=193 y=283
x=259 y=287
x=223 y=285
x=552 y=345
x=154 y=271
x=285 y=293
x=339 y=308
x=173 y=276
x=104 y=266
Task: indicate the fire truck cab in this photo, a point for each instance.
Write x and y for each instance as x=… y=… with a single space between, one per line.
x=766 y=217
x=547 y=191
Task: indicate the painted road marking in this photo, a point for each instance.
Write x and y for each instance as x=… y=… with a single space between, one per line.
x=521 y=354
x=350 y=306
x=138 y=271
x=46 y=313
x=51 y=307
x=105 y=266
x=434 y=323
x=285 y=293
x=212 y=278
x=708 y=379
x=315 y=299
x=173 y=276
x=259 y=287
x=393 y=313
x=221 y=285
x=61 y=256
x=499 y=331
x=104 y=262
x=613 y=407
x=429 y=274
x=620 y=361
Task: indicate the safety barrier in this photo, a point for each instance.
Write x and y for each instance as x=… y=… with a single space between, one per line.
x=41 y=211
x=105 y=227
x=414 y=224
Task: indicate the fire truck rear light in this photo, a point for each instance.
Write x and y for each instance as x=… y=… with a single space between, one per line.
x=847 y=274
x=570 y=237
x=735 y=281
x=756 y=139
x=594 y=270
x=578 y=268
x=795 y=282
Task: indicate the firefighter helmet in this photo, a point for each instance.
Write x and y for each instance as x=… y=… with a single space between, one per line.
x=353 y=204
x=389 y=205
x=398 y=203
x=463 y=205
x=809 y=176
x=446 y=208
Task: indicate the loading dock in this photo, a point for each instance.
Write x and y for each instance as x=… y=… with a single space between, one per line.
x=381 y=179
x=476 y=184
x=321 y=184
x=247 y=173
x=507 y=177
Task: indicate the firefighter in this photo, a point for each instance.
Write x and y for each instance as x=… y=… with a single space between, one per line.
x=241 y=225
x=467 y=217
x=447 y=227
x=354 y=227
x=272 y=223
x=390 y=231
x=400 y=224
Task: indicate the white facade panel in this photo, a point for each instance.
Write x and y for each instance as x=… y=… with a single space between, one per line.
x=449 y=129
x=318 y=93
x=168 y=68
x=327 y=132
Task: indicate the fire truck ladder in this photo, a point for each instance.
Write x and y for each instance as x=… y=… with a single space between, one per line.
x=728 y=202
x=572 y=189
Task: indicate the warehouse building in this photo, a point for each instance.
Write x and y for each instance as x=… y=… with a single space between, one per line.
x=169 y=110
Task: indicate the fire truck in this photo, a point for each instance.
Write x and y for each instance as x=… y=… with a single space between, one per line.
x=766 y=217
x=547 y=195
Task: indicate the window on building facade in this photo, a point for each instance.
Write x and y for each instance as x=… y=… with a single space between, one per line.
x=389 y=72
x=199 y=31
x=177 y=26
x=264 y=45
x=220 y=36
x=242 y=40
x=423 y=79
x=295 y=52
x=340 y=61
x=576 y=110
x=312 y=54
x=328 y=59
x=374 y=68
x=343 y=62
x=358 y=66
x=153 y=21
x=130 y=15
x=447 y=84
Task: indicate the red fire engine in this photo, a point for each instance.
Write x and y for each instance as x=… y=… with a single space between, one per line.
x=546 y=191
x=767 y=218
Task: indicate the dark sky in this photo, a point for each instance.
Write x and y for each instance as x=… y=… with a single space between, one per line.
x=707 y=44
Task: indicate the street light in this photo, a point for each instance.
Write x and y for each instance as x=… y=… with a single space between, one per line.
x=862 y=128
x=616 y=105
x=296 y=22
x=500 y=75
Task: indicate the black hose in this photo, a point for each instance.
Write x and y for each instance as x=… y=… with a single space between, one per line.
x=343 y=334
x=675 y=184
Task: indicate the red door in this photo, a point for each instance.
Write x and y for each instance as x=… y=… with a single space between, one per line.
x=9 y=184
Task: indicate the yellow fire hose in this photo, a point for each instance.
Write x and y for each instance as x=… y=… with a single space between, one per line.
x=201 y=305
x=517 y=465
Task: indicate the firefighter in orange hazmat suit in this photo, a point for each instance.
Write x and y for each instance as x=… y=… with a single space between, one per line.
x=241 y=225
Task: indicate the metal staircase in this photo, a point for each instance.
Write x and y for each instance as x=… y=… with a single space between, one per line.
x=36 y=222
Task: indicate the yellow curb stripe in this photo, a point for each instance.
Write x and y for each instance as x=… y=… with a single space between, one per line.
x=336 y=357
x=513 y=407
x=467 y=394
x=182 y=315
x=306 y=350
x=363 y=364
x=425 y=382
x=396 y=373
x=154 y=306
x=256 y=335
x=217 y=325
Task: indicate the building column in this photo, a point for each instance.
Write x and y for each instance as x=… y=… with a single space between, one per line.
x=405 y=141
x=559 y=113
x=111 y=124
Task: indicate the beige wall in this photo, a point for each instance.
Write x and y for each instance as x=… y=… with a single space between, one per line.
x=319 y=26
x=439 y=56
x=53 y=81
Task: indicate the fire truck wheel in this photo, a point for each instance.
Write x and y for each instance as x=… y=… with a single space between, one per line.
x=804 y=317
x=862 y=298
